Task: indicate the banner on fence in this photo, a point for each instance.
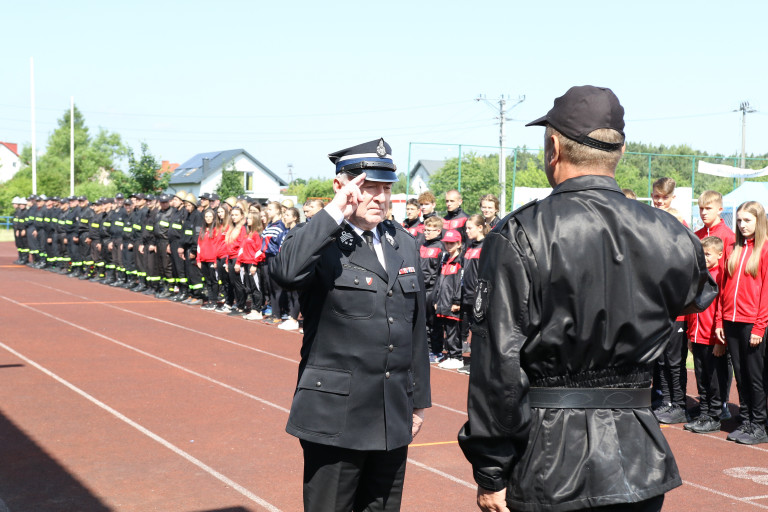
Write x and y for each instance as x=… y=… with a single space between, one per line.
x=730 y=171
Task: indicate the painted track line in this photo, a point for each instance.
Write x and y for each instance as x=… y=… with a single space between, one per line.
x=213 y=336
x=152 y=356
x=726 y=495
x=415 y=463
x=178 y=451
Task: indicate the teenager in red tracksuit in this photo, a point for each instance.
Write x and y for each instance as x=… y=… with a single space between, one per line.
x=233 y=242
x=710 y=366
x=476 y=231
x=448 y=299
x=742 y=317
x=412 y=222
x=672 y=373
x=249 y=258
x=710 y=209
x=430 y=255
x=225 y=287
x=209 y=244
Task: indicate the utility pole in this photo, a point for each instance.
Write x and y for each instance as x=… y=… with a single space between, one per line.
x=502 y=160
x=745 y=109
x=290 y=173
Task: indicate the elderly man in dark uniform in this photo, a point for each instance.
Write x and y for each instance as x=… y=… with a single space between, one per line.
x=364 y=374
x=577 y=295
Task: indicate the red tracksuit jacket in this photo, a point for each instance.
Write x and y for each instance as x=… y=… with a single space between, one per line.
x=744 y=298
x=701 y=326
x=208 y=247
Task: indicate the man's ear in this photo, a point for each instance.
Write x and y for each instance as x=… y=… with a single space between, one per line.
x=555 y=156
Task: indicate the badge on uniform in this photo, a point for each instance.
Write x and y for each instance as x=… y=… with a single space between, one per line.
x=406 y=270
x=390 y=239
x=369 y=281
x=346 y=240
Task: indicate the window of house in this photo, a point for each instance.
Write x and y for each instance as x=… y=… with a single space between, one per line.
x=248 y=181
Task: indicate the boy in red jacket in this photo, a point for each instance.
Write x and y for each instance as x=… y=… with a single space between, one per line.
x=710 y=208
x=709 y=364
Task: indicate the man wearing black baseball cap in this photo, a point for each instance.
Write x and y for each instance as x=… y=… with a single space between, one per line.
x=364 y=373
x=573 y=306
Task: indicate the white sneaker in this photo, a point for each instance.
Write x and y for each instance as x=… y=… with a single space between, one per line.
x=253 y=315
x=451 y=364
x=289 y=325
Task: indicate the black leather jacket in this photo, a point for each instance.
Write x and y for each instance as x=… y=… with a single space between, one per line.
x=581 y=290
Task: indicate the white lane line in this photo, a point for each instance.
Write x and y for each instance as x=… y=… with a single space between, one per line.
x=152 y=356
x=442 y=474
x=213 y=336
x=415 y=463
x=726 y=495
x=178 y=451
x=179 y=326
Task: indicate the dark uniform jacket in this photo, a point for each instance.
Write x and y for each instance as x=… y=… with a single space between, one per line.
x=579 y=290
x=364 y=360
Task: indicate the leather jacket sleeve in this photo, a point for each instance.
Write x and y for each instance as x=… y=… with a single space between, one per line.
x=499 y=417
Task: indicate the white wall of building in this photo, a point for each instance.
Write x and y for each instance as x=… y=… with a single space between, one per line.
x=9 y=163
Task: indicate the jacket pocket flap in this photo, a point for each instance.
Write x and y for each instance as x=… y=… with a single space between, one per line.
x=326 y=380
x=359 y=280
x=409 y=283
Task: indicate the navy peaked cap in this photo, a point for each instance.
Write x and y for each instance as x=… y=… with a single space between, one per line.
x=374 y=158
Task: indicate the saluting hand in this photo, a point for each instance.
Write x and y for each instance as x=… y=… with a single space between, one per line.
x=348 y=196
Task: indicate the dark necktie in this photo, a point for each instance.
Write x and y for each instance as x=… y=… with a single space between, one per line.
x=368 y=237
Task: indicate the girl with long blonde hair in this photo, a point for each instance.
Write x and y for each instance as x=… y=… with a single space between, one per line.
x=743 y=316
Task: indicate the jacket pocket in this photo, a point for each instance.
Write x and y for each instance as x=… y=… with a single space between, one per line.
x=409 y=284
x=354 y=294
x=320 y=403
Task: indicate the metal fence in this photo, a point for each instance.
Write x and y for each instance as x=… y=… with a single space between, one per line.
x=636 y=171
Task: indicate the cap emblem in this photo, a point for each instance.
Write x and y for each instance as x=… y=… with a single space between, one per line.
x=381 y=151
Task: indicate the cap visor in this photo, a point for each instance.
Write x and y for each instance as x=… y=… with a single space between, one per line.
x=384 y=175
x=542 y=121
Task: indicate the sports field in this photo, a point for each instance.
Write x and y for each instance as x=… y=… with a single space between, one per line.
x=111 y=400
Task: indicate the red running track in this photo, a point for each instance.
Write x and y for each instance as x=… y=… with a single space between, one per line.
x=111 y=400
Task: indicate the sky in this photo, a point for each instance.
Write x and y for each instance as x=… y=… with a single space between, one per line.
x=290 y=82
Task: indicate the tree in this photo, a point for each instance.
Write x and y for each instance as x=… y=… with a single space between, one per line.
x=314 y=187
x=93 y=157
x=143 y=174
x=231 y=182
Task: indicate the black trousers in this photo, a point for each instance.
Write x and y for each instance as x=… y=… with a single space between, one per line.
x=236 y=283
x=711 y=374
x=252 y=286
x=178 y=268
x=211 y=281
x=342 y=480
x=749 y=369
x=672 y=366
x=452 y=341
x=194 y=275
x=434 y=329
x=223 y=274
x=164 y=265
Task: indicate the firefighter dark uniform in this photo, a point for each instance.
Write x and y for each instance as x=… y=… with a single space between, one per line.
x=118 y=219
x=573 y=305
x=140 y=230
x=128 y=248
x=162 y=255
x=84 y=244
x=193 y=224
x=364 y=364
x=29 y=226
x=175 y=235
x=20 y=230
x=70 y=248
